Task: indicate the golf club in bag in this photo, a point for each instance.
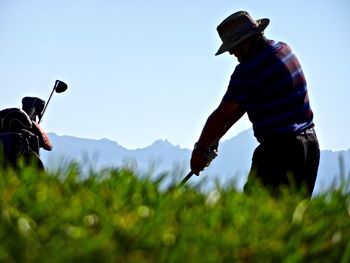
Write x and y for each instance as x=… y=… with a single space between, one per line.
x=21 y=135
x=59 y=87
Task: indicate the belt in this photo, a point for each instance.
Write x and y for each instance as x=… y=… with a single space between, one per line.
x=308 y=131
x=275 y=137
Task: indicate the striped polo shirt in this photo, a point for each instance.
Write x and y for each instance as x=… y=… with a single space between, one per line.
x=272 y=88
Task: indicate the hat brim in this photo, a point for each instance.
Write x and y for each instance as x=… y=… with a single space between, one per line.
x=262 y=24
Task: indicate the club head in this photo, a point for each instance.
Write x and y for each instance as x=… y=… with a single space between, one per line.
x=60 y=86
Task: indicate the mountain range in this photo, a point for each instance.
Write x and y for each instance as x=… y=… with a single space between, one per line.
x=231 y=165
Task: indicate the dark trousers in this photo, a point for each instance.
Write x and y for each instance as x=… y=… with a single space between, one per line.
x=287 y=160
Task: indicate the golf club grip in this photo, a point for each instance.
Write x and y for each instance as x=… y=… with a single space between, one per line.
x=186 y=178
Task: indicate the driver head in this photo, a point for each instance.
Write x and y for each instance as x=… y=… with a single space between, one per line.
x=60 y=86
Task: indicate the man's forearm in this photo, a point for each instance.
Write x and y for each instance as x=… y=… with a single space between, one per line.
x=219 y=122
x=212 y=130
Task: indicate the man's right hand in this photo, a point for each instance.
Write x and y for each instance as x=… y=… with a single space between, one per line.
x=202 y=157
x=198 y=161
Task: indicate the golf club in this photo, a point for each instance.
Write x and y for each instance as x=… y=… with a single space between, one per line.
x=59 y=87
x=188 y=176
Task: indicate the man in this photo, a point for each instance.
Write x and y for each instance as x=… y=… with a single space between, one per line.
x=268 y=84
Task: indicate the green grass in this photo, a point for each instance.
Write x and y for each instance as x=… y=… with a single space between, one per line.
x=116 y=216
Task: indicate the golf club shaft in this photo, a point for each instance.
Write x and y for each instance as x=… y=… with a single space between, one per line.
x=186 y=178
x=53 y=90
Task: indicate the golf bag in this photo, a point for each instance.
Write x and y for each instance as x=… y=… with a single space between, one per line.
x=21 y=137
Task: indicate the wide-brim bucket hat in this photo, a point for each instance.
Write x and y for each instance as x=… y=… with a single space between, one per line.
x=237 y=27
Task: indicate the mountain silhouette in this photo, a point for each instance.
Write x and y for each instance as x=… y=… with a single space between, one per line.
x=231 y=165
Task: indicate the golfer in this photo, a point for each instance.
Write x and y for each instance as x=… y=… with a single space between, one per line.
x=269 y=85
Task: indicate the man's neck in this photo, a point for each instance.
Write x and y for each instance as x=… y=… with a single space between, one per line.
x=256 y=45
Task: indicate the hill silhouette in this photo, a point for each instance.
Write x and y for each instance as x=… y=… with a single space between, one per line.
x=232 y=163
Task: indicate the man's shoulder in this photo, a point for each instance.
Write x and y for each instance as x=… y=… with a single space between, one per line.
x=273 y=42
x=278 y=45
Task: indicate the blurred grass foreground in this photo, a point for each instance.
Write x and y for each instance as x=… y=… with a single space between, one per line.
x=117 y=216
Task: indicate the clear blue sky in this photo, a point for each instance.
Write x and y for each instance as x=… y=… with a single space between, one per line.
x=144 y=70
